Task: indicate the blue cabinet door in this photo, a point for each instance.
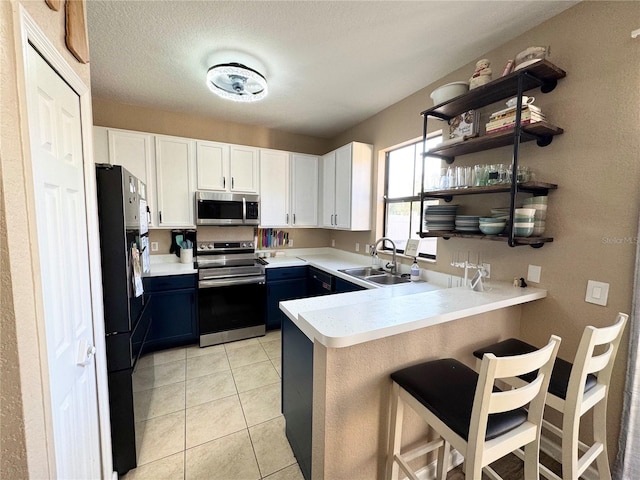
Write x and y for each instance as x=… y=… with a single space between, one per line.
x=280 y=290
x=342 y=286
x=174 y=320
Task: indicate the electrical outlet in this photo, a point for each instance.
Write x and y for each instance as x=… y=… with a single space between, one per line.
x=597 y=292
x=367 y=248
x=291 y=242
x=357 y=247
x=154 y=246
x=333 y=242
x=487 y=269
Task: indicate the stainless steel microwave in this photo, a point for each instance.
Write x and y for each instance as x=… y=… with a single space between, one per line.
x=214 y=208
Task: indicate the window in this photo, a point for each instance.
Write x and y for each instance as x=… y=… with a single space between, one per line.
x=403 y=183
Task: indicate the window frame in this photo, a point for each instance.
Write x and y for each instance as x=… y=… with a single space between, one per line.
x=420 y=144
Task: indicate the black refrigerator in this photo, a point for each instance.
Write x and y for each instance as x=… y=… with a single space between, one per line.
x=123 y=221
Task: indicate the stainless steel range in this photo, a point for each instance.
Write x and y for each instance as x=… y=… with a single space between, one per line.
x=231 y=291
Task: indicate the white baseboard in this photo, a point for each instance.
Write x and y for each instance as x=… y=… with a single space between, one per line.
x=429 y=472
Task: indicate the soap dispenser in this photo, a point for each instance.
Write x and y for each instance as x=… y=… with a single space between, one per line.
x=415 y=271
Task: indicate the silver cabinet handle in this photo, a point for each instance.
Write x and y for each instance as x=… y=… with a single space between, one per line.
x=232 y=183
x=336 y=215
x=294 y=218
x=160 y=213
x=287 y=218
x=331 y=219
x=224 y=182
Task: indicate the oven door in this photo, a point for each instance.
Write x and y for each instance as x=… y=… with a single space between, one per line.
x=231 y=309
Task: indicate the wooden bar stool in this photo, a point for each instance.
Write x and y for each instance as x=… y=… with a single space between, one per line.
x=573 y=391
x=469 y=414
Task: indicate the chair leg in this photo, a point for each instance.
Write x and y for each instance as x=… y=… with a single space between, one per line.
x=600 y=436
x=532 y=461
x=443 y=461
x=570 y=431
x=395 y=432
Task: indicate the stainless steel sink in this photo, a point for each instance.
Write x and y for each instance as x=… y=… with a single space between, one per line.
x=387 y=279
x=374 y=275
x=363 y=272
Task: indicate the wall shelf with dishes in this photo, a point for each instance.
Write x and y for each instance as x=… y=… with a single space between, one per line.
x=540 y=74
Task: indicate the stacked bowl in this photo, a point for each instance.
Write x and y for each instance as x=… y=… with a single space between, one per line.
x=523 y=222
x=467 y=223
x=540 y=206
x=492 y=225
x=440 y=217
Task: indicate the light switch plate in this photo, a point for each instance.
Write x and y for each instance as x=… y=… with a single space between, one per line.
x=597 y=293
x=533 y=274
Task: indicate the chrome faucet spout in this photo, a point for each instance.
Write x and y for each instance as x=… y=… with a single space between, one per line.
x=393 y=266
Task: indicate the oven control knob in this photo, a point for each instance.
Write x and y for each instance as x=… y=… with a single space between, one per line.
x=210 y=246
x=250 y=245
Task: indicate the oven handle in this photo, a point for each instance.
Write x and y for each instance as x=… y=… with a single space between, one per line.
x=229 y=282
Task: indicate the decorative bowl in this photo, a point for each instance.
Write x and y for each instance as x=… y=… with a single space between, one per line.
x=492 y=228
x=449 y=91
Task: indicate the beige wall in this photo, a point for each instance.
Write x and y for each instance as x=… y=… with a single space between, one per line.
x=593 y=215
x=23 y=451
x=107 y=113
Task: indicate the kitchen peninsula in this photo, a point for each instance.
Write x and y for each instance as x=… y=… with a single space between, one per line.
x=338 y=352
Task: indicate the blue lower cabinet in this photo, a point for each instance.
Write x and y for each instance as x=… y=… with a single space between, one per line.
x=287 y=283
x=297 y=392
x=342 y=286
x=173 y=309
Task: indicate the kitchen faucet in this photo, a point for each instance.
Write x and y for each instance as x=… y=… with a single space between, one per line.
x=393 y=266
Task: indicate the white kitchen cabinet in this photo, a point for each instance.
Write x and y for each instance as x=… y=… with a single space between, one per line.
x=134 y=151
x=212 y=165
x=175 y=169
x=346 y=187
x=243 y=169
x=304 y=190
x=274 y=188
x=226 y=168
x=288 y=189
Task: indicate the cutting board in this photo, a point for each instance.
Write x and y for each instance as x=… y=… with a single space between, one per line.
x=76 y=37
x=54 y=4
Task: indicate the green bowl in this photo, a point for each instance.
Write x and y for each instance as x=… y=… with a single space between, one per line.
x=492 y=228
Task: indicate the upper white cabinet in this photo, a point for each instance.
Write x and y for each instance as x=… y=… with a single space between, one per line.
x=304 y=190
x=346 y=187
x=175 y=168
x=134 y=151
x=274 y=188
x=243 y=169
x=226 y=168
x=212 y=165
x=288 y=189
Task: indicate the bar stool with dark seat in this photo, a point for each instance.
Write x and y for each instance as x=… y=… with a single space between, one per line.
x=574 y=390
x=469 y=414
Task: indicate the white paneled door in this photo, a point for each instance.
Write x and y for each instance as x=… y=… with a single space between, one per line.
x=56 y=150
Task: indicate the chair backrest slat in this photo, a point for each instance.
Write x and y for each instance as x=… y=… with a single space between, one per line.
x=516 y=398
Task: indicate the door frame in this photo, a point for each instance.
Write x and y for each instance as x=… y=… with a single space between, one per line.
x=28 y=32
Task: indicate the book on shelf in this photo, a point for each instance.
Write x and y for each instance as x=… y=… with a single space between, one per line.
x=512 y=111
x=465 y=125
x=510 y=126
x=499 y=122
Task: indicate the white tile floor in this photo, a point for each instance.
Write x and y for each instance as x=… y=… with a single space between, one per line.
x=212 y=413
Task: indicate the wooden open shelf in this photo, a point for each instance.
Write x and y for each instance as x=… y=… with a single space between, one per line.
x=542 y=74
x=542 y=132
x=531 y=241
x=539 y=188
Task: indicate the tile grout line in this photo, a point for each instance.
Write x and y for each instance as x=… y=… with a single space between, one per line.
x=184 y=451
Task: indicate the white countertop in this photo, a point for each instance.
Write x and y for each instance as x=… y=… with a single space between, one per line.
x=164 y=265
x=352 y=318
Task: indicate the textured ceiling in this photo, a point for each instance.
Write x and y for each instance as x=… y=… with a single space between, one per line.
x=329 y=64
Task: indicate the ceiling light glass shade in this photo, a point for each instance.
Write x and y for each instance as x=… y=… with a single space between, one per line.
x=237 y=82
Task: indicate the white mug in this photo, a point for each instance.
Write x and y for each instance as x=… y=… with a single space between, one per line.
x=512 y=102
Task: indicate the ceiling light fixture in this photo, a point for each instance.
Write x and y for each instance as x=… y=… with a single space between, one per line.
x=237 y=82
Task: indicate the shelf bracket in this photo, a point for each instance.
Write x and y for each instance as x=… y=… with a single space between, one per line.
x=544 y=141
x=549 y=86
x=536 y=245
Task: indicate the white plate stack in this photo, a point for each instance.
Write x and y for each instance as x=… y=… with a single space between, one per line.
x=440 y=218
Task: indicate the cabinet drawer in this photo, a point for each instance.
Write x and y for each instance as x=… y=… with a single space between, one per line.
x=286 y=273
x=170 y=282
